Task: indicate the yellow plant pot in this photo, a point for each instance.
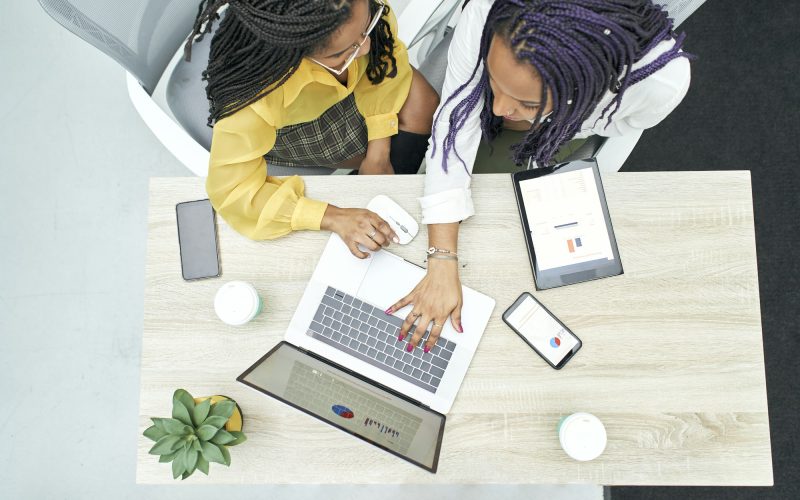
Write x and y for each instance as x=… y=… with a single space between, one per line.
x=236 y=421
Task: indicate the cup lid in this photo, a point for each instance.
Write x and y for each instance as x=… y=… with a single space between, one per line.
x=583 y=436
x=236 y=302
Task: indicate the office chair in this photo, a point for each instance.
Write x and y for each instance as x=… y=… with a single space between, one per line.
x=146 y=37
x=426 y=24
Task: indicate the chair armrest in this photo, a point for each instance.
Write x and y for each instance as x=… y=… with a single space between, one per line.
x=414 y=17
x=616 y=150
x=172 y=136
x=412 y=21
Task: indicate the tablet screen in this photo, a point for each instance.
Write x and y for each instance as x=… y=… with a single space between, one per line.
x=568 y=225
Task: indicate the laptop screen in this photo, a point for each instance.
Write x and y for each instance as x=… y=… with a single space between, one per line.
x=350 y=402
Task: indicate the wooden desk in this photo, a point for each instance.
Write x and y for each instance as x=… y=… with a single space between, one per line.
x=672 y=359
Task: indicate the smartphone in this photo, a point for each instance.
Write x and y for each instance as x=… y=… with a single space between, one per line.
x=542 y=331
x=197 y=239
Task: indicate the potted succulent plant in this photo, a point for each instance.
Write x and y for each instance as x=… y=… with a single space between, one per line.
x=200 y=431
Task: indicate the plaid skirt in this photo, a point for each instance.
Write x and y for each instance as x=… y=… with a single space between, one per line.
x=339 y=134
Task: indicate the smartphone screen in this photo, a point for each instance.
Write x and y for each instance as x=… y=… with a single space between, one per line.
x=197 y=237
x=542 y=331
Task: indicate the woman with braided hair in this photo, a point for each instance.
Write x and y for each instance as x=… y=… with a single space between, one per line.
x=555 y=69
x=308 y=82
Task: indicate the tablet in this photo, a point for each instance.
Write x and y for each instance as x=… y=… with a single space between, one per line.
x=566 y=224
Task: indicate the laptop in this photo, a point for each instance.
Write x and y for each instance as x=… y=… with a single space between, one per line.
x=341 y=362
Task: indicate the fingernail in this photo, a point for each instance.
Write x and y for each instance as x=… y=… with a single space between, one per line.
x=388 y=311
x=426 y=349
x=400 y=338
x=410 y=347
x=396 y=239
x=460 y=329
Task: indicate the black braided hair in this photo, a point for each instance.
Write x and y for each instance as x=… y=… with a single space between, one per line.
x=260 y=43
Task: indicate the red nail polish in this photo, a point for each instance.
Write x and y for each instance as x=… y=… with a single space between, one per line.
x=400 y=338
x=388 y=311
x=426 y=349
x=410 y=347
x=460 y=329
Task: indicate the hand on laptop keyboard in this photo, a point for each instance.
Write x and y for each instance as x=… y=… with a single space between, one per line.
x=367 y=333
x=435 y=298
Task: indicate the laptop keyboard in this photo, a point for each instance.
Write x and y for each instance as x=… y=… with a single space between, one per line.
x=361 y=330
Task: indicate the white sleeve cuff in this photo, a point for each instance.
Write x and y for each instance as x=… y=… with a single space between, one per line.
x=453 y=205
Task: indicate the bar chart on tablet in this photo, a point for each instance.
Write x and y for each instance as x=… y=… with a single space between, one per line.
x=566 y=219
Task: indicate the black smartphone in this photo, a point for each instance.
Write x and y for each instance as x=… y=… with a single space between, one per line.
x=197 y=239
x=542 y=331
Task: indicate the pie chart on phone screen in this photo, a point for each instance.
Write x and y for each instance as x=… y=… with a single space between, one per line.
x=555 y=342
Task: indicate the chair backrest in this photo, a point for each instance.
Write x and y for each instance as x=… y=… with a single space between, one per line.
x=186 y=91
x=679 y=10
x=423 y=25
x=434 y=66
x=141 y=35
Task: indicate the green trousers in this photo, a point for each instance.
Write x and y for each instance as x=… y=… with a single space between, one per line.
x=497 y=158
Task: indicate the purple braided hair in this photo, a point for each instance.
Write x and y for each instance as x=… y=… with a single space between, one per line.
x=581 y=49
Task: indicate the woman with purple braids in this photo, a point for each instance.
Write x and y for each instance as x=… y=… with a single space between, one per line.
x=557 y=70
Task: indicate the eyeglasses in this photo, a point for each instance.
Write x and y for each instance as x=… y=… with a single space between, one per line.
x=356 y=46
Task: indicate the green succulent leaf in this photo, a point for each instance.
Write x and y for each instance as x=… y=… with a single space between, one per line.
x=202 y=465
x=196 y=445
x=201 y=412
x=181 y=413
x=223 y=437
x=226 y=455
x=206 y=432
x=171 y=425
x=178 y=465
x=212 y=453
x=191 y=460
x=154 y=432
x=216 y=421
x=223 y=409
x=240 y=438
x=159 y=422
x=185 y=398
x=165 y=445
x=168 y=458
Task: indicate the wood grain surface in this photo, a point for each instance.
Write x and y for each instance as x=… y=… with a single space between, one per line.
x=672 y=360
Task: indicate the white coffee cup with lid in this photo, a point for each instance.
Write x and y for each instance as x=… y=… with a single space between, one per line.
x=582 y=436
x=237 y=302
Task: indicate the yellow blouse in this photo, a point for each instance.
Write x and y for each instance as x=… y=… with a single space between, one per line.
x=263 y=207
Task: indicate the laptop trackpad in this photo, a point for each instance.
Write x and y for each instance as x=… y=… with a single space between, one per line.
x=388 y=279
